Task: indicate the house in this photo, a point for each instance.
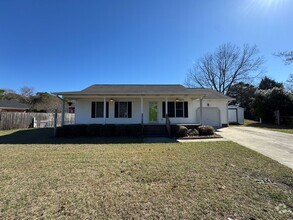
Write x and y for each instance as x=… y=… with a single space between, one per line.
x=12 y=106
x=148 y=104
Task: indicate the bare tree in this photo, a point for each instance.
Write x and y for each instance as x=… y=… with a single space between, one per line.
x=289 y=83
x=27 y=93
x=287 y=56
x=227 y=65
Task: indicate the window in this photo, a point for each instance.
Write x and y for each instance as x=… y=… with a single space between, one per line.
x=176 y=109
x=123 y=109
x=171 y=109
x=179 y=109
x=98 y=109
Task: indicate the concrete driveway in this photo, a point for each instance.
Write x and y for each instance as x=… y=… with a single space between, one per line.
x=276 y=145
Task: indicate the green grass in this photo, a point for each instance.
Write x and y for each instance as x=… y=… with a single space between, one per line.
x=79 y=179
x=284 y=129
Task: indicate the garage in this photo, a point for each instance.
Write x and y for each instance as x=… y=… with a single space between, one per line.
x=210 y=116
x=235 y=114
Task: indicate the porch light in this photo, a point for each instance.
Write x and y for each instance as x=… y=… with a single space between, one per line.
x=177 y=100
x=111 y=100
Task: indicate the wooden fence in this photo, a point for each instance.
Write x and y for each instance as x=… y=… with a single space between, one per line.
x=17 y=120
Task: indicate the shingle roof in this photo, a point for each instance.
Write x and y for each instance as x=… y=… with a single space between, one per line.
x=136 y=89
x=210 y=94
x=13 y=104
x=144 y=89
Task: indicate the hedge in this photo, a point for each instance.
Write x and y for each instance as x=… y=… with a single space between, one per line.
x=122 y=130
x=98 y=130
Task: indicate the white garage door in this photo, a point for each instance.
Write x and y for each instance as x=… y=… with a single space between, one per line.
x=232 y=115
x=210 y=116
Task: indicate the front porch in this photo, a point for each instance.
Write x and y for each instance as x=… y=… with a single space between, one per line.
x=137 y=110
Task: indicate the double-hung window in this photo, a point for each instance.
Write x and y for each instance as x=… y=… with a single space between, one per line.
x=123 y=109
x=176 y=109
x=98 y=109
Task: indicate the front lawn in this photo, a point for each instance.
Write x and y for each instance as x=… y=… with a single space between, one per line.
x=284 y=129
x=79 y=179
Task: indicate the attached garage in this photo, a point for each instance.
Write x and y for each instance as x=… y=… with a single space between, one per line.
x=210 y=116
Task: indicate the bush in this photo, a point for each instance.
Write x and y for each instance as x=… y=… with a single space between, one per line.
x=98 y=130
x=93 y=130
x=107 y=130
x=265 y=102
x=135 y=130
x=206 y=130
x=120 y=130
x=78 y=130
x=63 y=131
x=178 y=131
x=192 y=132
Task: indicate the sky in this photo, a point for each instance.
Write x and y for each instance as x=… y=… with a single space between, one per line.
x=68 y=45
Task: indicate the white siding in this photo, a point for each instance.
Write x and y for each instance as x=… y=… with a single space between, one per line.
x=83 y=111
x=241 y=116
x=210 y=116
x=220 y=104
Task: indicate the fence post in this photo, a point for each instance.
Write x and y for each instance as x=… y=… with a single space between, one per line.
x=55 y=123
x=63 y=113
x=277 y=117
x=33 y=122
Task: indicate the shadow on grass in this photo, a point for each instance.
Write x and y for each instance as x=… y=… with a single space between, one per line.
x=45 y=136
x=271 y=126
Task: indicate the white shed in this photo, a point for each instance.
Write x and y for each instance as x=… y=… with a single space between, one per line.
x=235 y=114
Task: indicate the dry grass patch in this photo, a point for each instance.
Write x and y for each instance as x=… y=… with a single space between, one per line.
x=178 y=180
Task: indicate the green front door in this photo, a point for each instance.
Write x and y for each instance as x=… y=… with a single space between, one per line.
x=153 y=111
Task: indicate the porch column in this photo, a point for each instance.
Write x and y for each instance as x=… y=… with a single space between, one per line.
x=141 y=109
x=166 y=107
x=200 y=108
x=104 y=110
x=63 y=113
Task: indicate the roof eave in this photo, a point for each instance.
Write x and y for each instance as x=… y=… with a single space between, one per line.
x=82 y=95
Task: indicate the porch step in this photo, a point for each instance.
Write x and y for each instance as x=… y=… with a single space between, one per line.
x=155 y=131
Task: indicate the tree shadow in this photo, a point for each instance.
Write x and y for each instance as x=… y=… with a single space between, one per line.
x=46 y=136
x=271 y=126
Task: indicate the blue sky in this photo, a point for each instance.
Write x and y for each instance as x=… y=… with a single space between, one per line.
x=64 y=45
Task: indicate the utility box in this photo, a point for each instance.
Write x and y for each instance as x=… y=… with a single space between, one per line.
x=235 y=114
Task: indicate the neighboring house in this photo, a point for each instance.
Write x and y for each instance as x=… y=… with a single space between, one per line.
x=148 y=104
x=12 y=106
